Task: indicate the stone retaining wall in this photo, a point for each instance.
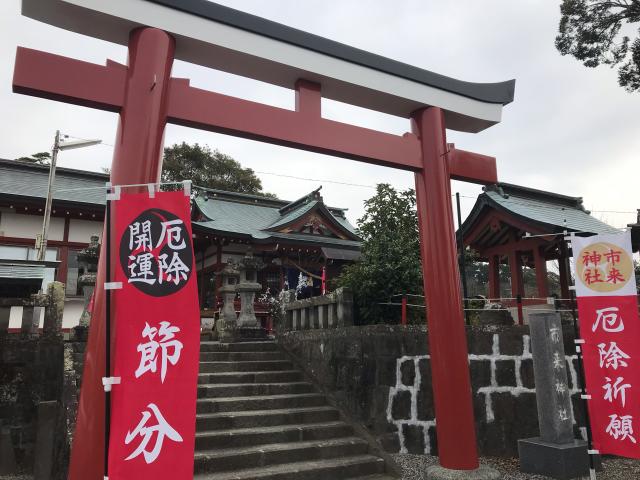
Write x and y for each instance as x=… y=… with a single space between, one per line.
x=381 y=375
x=30 y=372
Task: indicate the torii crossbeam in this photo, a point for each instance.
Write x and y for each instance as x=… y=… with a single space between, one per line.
x=147 y=97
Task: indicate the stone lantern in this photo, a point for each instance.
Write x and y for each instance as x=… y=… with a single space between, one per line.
x=227 y=324
x=247 y=288
x=88 y=260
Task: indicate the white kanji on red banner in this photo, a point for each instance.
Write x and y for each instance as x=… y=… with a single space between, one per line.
x=165 y=348
x=158 y=427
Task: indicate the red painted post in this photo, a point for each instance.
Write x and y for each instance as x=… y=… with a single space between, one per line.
x=403 y=320
x=447 y=335
x=520 y=314
x=137 y=158
x=494 y=277
x=517 y=289
x=541 y=273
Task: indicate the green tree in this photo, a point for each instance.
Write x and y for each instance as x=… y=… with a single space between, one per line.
x=590 y=31
x=41 y=158
x=390 y=262
x=207 y=168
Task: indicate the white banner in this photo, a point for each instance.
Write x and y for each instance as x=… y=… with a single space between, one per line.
x=603 y=265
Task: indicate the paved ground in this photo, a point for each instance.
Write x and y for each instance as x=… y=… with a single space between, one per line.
x=413 y=467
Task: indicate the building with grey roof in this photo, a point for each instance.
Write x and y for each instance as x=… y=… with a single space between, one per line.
x=291 y=237
x=525 y=227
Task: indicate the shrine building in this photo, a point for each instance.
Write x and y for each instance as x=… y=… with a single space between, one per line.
x=523 y=227
x=304 y=236
x=301 y=237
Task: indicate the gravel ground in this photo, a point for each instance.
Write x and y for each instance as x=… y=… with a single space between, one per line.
x=413 y=467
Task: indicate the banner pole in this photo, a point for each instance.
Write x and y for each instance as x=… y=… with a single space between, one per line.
x=581 y=378
x=107 y=339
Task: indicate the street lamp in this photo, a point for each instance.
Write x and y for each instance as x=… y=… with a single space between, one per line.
x=58 y=144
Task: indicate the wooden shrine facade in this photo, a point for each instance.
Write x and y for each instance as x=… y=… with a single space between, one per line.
x=524 y=227
x=301 y=237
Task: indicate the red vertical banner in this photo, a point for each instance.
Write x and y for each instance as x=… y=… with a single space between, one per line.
x=157 y=338
x=610 y=327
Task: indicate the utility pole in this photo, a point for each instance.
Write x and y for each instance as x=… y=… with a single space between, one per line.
x=41 y=242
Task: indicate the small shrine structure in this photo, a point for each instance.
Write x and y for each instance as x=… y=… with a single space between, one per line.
x=522 y=226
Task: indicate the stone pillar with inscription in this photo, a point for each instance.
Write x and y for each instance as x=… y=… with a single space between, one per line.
x=555 y=453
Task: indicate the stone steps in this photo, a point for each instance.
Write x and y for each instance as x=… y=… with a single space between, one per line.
x=261 y=346
x=245 y=366
x=262 y=402
x=243 y=437
x=250 y=389
x=240 y=356
x=333 y=469
x=278 y=453
x=266 y=418
x=380 y=476
x=250 y=377
x=257 y=418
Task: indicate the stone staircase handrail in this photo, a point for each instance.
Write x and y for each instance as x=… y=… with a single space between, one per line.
x=53 y=303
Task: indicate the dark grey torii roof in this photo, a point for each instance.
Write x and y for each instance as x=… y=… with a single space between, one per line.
x=501 y=92
x=236 y=42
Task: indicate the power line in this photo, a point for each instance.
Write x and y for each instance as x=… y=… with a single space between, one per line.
x=336 y=182
x=317 y=180
x=80 y=138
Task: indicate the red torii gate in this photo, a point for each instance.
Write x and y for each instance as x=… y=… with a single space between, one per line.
x=147 y=97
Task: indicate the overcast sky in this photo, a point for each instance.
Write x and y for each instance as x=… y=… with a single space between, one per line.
x=571 y=130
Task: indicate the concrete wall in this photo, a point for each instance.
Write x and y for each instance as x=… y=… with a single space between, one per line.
x=82 y=230
x=381 y=375
x=28 y=226
x=20 y=225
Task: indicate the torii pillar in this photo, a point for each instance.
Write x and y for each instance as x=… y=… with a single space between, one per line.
x=146 y=97
x=453 y=403
x=137 y=158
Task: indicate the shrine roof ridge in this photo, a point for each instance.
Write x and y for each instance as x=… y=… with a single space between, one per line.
x=282 y=205
x=507 y=189
x=261 y=222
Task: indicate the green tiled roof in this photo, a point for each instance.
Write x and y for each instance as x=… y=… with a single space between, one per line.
x=225 y=212
x=257 y=217
x=294 y=214
x=550 y=212
x=22 y=180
